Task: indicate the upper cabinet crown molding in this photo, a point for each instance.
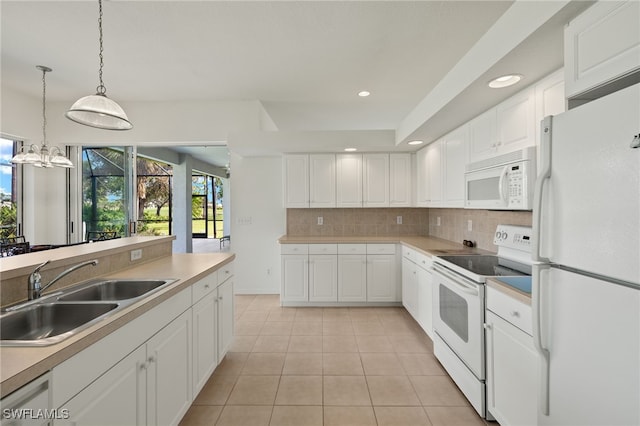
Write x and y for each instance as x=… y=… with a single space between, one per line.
x=601 y=45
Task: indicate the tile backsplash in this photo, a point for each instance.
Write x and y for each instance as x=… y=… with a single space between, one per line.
x=357 y=222
x=415 y=221
x=454 y=224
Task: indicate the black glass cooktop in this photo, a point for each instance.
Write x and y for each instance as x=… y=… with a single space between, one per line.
x=488 y=265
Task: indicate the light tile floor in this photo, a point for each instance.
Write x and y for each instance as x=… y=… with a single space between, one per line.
x=328 y=366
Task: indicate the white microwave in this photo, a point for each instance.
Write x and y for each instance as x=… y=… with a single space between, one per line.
x=504 y=182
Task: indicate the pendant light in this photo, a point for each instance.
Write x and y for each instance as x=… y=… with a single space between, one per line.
x=98 y=110
x=43 y=156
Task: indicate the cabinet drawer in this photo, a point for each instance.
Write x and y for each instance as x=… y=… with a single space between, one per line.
x=323 y=249
x=510 y=309
x=409 y=253
x=294 y=249
x=423 y=260
x=203 y=287
x=381 y=249
x=352 y=249
x=225 y=272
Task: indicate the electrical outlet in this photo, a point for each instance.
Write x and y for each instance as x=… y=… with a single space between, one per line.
x=320 y=220
x=438 y=221
x=469 y=225
x=136 y=254
x=399 y=220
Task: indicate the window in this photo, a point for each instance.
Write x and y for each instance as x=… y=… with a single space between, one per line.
x=104 y=194
x=9 y=217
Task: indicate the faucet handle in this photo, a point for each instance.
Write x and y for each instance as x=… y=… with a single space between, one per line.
x=37 y=270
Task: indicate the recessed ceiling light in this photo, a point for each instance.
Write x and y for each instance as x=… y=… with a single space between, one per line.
x=505 y=81
x=350 y=149
x=364 y=94
x=416 y=142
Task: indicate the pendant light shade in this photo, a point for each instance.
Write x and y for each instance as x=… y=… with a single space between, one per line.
x=43 y=156
x=98 y=110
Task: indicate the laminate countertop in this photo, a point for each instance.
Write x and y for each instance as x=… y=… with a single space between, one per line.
x=20 y=365
x=428 y=245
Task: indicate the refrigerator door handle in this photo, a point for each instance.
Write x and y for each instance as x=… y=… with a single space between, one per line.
x=545 y=174
x=536 y=302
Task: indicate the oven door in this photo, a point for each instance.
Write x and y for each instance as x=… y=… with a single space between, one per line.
x=458 y=316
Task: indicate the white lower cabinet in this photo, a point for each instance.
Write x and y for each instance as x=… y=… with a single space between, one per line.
x=425 y=301
x=205 y=343
x=225 y=317
x=152 y=385
x=150 y=370
x=118 y=397
x=382 y=281
x=352 y=278
x=169 y=390
x=416 y=287
x=35 y=396
x=323 y=278
x=511 y=362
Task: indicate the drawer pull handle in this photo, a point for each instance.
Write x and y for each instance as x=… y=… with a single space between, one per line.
x=206 y=286
x=515 y=314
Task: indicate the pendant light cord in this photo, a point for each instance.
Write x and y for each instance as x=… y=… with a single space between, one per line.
x=101 y=90
x=44 y=107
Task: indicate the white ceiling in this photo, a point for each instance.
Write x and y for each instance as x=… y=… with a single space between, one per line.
x=304 y=60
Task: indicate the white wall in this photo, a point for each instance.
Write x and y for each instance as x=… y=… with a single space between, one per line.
x=257 y=221
x=44 y=190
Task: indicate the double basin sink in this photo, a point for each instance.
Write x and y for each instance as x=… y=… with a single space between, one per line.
x=58 y=316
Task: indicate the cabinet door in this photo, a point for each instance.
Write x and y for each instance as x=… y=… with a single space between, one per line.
x=550 y=99
x=455 y=159
x=511 y=373
x=601 y=45
x=410 y=288
x=296 y=181
x=205 y=340
x=323 y=278
x=382 y=278
x=118 y=397
x=400 y=180
x=483 y=136
x=375 y=180
x=322 y=180
x=225 y=317
x=295 y=278
x=422 y=178
x=352 y=278
x=349 y=180
x=425 y=301
x=169 y=372
x=434 y=166
x=516 y=122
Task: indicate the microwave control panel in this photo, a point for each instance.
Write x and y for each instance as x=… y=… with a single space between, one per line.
x=516 y=178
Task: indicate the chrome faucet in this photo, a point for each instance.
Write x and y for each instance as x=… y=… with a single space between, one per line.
x=35 y=287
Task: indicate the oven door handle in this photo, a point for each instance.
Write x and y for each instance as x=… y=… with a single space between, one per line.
x=471 y=289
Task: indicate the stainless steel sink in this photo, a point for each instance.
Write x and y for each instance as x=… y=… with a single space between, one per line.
x=115 y=289
x=47 y=323
x=57 y=316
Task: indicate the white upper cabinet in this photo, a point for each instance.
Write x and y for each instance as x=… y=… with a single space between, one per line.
x=454 y=152
x=516 y=125
x=400 y=180
x=550 y=98
x=349 y=180
x=375 y=180
x=322 y=180
x=507 y=127
x=601 y=45
x=296 y=180
x=422 y=178
x=435 y=171
x=482 y=135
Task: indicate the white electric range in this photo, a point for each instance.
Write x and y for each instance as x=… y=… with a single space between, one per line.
x=459 y=304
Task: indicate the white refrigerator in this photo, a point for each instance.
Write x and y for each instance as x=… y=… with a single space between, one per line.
x=586 y=276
